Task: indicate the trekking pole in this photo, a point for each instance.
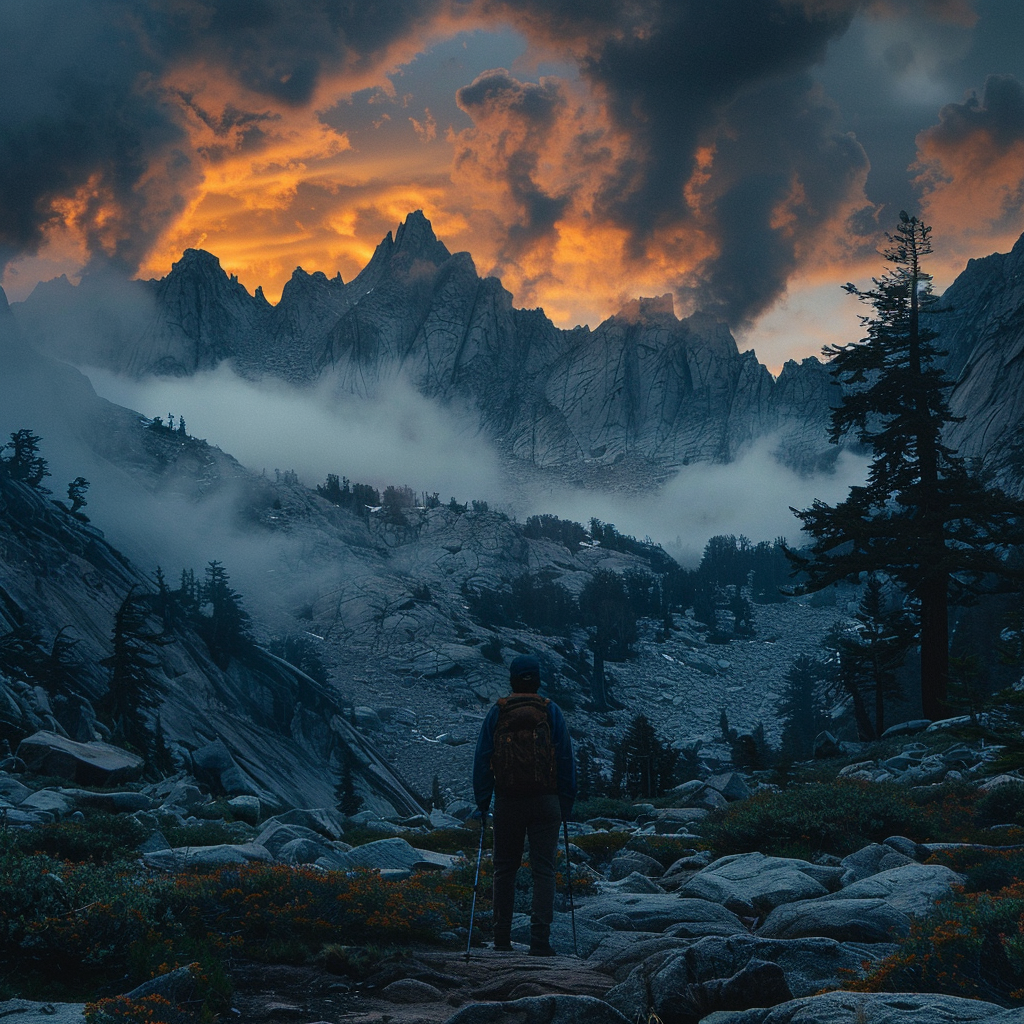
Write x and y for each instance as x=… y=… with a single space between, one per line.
x=476 y=883
x=568 y=879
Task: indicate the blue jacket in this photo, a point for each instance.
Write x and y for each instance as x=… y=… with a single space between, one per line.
x=483 y=777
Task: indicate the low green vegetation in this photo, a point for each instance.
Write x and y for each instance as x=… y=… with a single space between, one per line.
x=840 y=818
x=82 y=918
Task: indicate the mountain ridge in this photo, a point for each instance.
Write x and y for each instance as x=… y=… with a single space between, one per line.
x=644 y=387
x=624 y=404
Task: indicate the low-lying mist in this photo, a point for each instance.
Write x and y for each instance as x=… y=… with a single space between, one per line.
x=400 y=437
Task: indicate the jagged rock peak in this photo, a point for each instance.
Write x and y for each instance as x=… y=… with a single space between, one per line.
x=642 y=310
x=199 y=268
x=301 y=282
x=55 y=287
x=415 y=239
x=197 y=259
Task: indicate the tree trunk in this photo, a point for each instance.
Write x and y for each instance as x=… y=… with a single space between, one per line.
x=933 y=595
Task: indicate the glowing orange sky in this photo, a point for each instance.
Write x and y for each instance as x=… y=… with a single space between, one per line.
x=318 y=183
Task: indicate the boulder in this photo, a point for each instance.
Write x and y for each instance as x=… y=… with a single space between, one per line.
x=394 y=854
x=177 y=986
x=303 y=851
x=276 y=836
x=187 y=857
x=618 y=953
x=213 y=758
x=809 y=965
x=588 y=935
x=907 y=728
x=874 y=1008
x=541 y=1010
x=411 y=990
x=634 y=882
x=751 y=883
x=870 y=860
x=687 y=918
x=760 y=983
x=92 y=764
x=859 y=920
x=731 y=785
x=625 y=862
x=25 y=1011
x=901 y=844
x=911 y=889
x=325 y=820
x=48 y=801
x=115 y=803
x=245 y=808
x=707 y=799
x=12 y=790
x=826 y=745
x=439 y=819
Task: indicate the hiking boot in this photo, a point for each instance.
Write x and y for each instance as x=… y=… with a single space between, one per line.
x=502 y=946
x=542 y=950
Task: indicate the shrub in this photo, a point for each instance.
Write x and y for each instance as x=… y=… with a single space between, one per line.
x=152 y=1009
x=356 y=962
x=211 y=833
x=76 y=929
x=604 y=807
x=803 y=821
x=601 y=846
x=970 y=945
x=665 y=849
x=1003 y=805
x=102 y=838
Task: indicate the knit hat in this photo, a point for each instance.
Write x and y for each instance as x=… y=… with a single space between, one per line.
x=524 y=673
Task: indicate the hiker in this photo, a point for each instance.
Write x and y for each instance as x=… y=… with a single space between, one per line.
x=524 y=756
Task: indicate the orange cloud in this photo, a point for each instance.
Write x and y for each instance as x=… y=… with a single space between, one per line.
x=971 y=170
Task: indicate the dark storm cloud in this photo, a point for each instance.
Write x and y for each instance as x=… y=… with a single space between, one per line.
x=528 y=113
x=86 y=112
x=74 y=112
x=784 y=170
x=996 y=120
x=679 y=76
x=668 y=87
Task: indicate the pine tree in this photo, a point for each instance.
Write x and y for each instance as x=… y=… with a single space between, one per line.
x=25 y=463
x=879 y=645
x=586 y=772
x=612 y=624
x=802 y=707
x=643 y=765
x=133 y=688
x=349 y=801
x=226 y=628
x=921 y=518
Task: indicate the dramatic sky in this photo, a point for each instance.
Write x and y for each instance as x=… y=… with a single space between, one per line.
x=745 y=155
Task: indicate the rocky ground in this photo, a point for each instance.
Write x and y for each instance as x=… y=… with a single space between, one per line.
x=741 y=939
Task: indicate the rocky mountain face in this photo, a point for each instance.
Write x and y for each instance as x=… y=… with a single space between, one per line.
x=256 y=726
x=983 y=332
x=644 y=389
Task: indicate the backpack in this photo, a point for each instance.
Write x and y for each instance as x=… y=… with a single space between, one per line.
x=523 y=761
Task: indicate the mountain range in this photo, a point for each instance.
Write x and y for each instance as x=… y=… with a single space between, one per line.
x=645 y=392
x=632 y=400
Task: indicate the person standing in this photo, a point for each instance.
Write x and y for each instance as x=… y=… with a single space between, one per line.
x=524 y=758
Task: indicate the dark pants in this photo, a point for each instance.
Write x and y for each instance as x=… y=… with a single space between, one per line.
x=515 y=819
